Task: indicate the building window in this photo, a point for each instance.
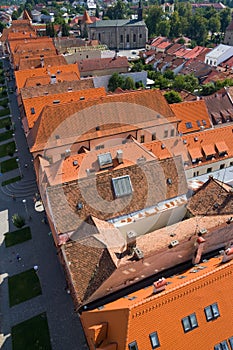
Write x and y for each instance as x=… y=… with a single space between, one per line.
x=154 y=340
x=222 y=166
x=231 y=342
x=209 y=170
x=189 y=125
x=140 y=36
x=99 y=36
x=212 y=312
x=172 y=132
x=189 y=322
x=196 y=173
x=204 y=122
x=99 y=147
x=127 y=38
x=198 y=123
x=222 y=346
x=134 y=38
x=153 y=136
x=121 y=38
x=142 y=138
x=231 y=163
x=165 y=133
x=133 y=346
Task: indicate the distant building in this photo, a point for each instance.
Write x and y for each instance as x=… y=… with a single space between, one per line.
x=218 y=55
x=120 y=34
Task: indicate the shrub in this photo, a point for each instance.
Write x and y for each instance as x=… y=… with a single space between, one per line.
x=18 y=220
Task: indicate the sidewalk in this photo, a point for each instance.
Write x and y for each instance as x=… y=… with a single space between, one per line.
x=64 y=325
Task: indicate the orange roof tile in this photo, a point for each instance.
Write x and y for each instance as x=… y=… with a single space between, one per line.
x=142 y=313
x=192 y=144
x=22 y=75
x=35 y=62
x=36 y=104
x=192 y=114
x=45 y=80
x=115 y=113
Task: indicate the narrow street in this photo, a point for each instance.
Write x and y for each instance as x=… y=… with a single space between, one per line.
x=64 y=325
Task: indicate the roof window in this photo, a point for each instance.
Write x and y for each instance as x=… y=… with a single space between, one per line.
x=133 y=346
x=222 y=346
x=189 y=125
x=204 y=122
x=198 y=123
x=33 y=110
x=154 y=340
x=55 y=102
x=212 y=312
x=122 y=186
x=189 y=322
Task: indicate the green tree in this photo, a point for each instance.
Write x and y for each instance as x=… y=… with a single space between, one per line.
x=198 y=29
x=164 y=28
x=65 y=29
x=225 y=18
x=118 y=11
x=175 y=23
x=128 y=84
x=50 y=31
x=18 y=220
x=169 y=74
x=114 y=82
x=137 y=67
x=214 y=25
x=153 y=19
x=185 y=82
x=172 y=97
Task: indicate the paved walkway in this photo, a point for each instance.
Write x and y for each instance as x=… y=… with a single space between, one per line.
x=64 y=325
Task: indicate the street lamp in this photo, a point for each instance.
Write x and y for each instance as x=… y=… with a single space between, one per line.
x=25 y=206
x=20 y=171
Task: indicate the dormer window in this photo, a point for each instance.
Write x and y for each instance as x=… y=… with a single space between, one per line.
x=154 y=340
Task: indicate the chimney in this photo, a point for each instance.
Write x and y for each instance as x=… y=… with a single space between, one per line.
x=198 y=253
x=159 y=285
x=131 y=241
x=227 y=254
x=53 y=79
x=119 y=156
x=42 y=62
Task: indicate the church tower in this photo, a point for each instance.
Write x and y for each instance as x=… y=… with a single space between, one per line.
x=140 y=10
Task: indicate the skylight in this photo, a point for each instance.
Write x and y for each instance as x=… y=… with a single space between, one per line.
x=122 y=186
x=189 y=125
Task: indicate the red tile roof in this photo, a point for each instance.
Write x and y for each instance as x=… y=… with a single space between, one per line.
x=38 y=103
x=114 y=114
x=22 y=75
x=35 y=62
x=102 y=64
x=191 y=115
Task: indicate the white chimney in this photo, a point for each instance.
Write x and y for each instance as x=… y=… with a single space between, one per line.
x=198 y=253
x=53 y=79
x=42 y=62
x=120 y=156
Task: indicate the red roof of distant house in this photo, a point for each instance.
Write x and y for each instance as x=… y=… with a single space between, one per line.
x=102 y=63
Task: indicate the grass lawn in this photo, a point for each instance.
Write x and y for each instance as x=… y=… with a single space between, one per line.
x=8 y=149
x=32 y=334
x=24 y=286
x=6 y=135
x=10 y=181
x=18 y=236
x=4 y=111
x=4 y=122
x=8 y=165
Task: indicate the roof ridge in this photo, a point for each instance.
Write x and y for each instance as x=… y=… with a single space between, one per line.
x=219 y=268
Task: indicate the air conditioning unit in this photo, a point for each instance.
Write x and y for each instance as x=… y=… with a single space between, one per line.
x=173 y=243
x=137 y=253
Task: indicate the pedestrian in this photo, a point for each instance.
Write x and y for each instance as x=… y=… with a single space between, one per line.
x=35 y=268
x=18 y=257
